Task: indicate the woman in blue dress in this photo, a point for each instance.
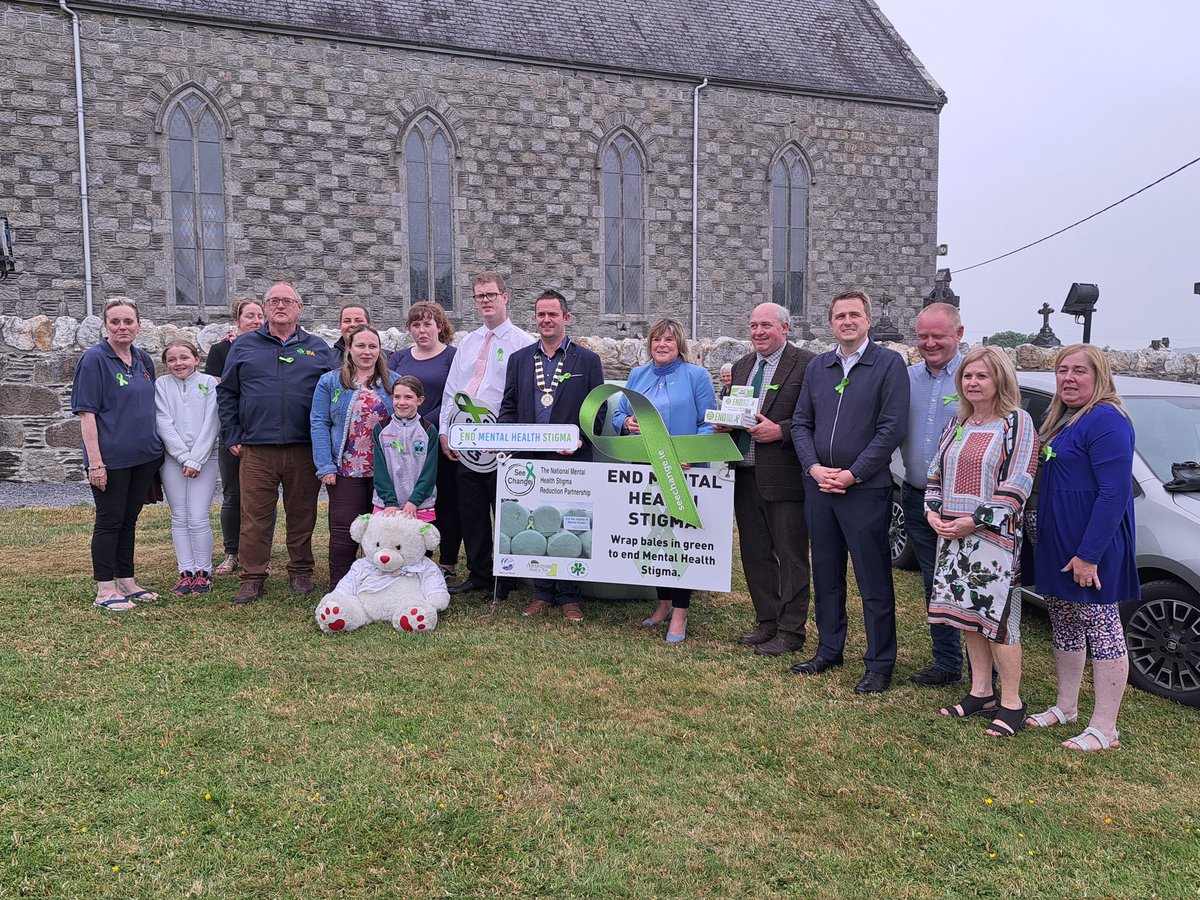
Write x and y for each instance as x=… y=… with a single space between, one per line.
x=1085 y=551
x=681 y=392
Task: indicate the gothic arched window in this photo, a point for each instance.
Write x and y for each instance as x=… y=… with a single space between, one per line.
x=622 y=191
x=197 y=203
x=427 y=155
x=789 y=230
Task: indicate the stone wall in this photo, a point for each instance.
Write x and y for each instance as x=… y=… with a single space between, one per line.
x=312 y=133
x=39 y=438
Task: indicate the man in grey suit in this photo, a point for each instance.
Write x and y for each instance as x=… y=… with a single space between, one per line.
x=768 y=494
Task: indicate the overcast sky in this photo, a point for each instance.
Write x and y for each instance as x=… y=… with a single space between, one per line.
x=1056 y=110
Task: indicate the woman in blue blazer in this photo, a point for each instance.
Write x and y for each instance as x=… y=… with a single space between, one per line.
x=347 y=405
x=682 y=393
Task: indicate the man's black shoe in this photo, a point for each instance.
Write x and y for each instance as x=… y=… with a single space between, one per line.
x=935 y=676
x=815 y=666
x=469 y=585
x=873 y=683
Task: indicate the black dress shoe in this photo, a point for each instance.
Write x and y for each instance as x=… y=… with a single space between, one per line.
x=469 y=585
x=936 y=675
x=779 y=645
x=815 y=666
x=759 y=635
x=873 y=683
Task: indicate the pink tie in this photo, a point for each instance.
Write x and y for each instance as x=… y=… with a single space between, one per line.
x=481 y=362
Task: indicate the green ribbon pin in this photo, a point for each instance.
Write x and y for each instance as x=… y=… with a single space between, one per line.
x=287 y=359
x=563 y=377
x=499 y=354
x=203 y=387
x=397 y=446
x=841 y=385
x=1048 y=453
x=772 y=387
x=947 y=399
x=337 y=395
x=122 y=380
x=657 y=446
x=424 y=529
x=958 y=432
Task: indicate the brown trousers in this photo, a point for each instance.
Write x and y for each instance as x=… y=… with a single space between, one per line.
x=264 y=469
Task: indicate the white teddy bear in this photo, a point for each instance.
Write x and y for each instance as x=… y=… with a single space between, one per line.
x=394 y=581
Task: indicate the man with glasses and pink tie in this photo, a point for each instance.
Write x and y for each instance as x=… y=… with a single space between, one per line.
x=264 y=401
x=478 y=370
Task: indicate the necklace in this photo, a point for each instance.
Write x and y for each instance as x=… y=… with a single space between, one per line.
x=547 y=387
x=982 y=420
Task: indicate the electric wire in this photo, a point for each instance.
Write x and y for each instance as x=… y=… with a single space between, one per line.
x=1080 y=222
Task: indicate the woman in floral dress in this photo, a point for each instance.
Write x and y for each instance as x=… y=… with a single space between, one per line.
x=347 y=405
x=978 y=484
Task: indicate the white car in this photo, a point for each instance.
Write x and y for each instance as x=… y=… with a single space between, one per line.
x=1162 y=629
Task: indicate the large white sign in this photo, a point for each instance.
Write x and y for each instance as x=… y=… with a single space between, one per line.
x=607 y=522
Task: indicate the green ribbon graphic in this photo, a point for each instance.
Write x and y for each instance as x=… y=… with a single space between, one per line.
x=122 y=380
x=656 y=446
x=947 y=399
x=1048 y=453
x=841 y=385
x=529 y=469
x=467 y=405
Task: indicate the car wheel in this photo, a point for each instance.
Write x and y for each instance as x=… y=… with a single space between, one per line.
x=903 y=554
x=1162 y=631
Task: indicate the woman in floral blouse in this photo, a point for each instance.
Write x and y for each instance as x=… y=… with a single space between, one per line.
x=347 y=405
x=978 y=484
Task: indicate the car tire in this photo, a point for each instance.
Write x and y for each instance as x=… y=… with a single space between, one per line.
x=1162 y=631
x=903 y=554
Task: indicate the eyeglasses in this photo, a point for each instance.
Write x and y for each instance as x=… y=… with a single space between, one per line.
x=491 y=296
x=282 y=301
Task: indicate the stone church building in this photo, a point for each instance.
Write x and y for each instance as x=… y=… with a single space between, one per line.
x=649 y=157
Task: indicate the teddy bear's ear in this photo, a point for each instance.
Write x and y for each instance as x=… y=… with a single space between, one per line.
x=430 y=535
x=359 y=527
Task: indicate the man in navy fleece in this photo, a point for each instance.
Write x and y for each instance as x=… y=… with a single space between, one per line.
x=851 y=415
x=264 y=400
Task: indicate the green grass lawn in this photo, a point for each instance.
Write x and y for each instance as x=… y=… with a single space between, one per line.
x=193 y=748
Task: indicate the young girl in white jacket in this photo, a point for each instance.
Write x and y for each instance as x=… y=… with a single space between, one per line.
x=186 y=404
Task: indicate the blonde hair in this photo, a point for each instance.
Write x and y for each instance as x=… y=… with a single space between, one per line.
x=1105 y=390
x=1000 y=367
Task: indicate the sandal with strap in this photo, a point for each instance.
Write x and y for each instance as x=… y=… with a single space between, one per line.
x=1007 y=722
x=117 y=604
x=1079 y=744
x=1050 y=718
x=970 y=705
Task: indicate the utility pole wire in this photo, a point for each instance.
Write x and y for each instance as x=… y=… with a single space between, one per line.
x=1080 y=222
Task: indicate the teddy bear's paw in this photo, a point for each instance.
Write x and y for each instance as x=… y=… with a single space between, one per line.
x=329 y=617
x=416 y=618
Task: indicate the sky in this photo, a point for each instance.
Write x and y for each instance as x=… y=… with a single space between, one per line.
x=1057 y=109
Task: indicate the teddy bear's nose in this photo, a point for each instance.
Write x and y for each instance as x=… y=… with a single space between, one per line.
x=384 y=558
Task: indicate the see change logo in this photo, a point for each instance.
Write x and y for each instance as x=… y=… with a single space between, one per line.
x=520 y=479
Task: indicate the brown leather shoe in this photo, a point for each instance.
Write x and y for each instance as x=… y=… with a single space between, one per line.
x=536 y=608
x=248 y=592
x=759 y=635
x=779 y=645
x=301 y=585
x=572 y=612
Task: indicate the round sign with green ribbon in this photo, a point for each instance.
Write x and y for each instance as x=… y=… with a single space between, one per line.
x=470 y=411
x=665 y=452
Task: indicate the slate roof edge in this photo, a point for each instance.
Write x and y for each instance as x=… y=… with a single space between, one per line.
x=133 y=9
x=887 y=25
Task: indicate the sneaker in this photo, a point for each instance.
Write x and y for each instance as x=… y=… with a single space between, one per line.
x=536 y=608
x=572 y=612
x=228 y=565
x=185 y=585
x=201 y=583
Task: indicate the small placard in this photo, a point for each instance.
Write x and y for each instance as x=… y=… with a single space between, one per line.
x=747 y=403
x=513 y=437
x=576 y=523
x=730 y=418
x=741 y=390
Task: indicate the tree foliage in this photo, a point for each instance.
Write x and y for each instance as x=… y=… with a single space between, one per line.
x=1010 y=339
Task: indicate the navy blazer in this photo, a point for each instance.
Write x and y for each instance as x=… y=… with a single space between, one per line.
x=521 y=393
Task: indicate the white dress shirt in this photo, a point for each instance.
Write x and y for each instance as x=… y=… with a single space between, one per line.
x=506 y=340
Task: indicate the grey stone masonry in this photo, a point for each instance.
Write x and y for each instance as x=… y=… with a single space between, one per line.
x=39 y=438
x=312 y=131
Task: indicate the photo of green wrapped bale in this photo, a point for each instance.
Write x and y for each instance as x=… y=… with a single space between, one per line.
x=546 y=530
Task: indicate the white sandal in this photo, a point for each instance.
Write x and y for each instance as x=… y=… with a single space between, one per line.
x=1051 y=717
x=1104 y=742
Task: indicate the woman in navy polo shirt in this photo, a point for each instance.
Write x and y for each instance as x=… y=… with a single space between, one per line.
x=113 y=395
